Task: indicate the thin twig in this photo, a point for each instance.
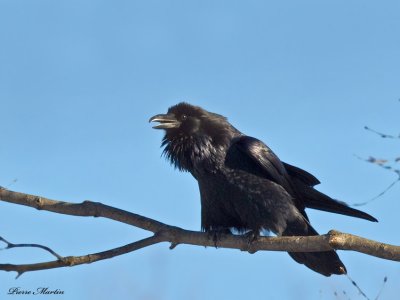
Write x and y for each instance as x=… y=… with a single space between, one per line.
x=70 y=261
x=11 y=245
x=379 y=195
x=357 y=286
x=380 y=291
x=382 y=135
x=381 y=163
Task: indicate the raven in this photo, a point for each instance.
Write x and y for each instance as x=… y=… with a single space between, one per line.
x=244 y=185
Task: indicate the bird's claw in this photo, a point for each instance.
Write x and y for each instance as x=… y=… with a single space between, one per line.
x=217 y=234
x=252 y=236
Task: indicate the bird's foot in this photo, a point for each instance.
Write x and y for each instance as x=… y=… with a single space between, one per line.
x=216 y=234
x=252 y=236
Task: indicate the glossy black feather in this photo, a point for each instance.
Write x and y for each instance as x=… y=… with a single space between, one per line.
x=296 y=181
x=303 y=176
x=244 y=185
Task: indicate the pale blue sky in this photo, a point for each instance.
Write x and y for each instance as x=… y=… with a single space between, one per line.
x=80 y=79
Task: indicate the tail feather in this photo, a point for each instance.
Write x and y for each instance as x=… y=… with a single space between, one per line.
x=316 y=200
x=325 y=263
x=320 y=201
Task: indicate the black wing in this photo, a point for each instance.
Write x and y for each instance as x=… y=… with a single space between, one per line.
x=302 y=175
x=259 y=159
x=262 y=156
x=296 y=181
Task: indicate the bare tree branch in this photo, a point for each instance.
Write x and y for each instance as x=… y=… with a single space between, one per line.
x=383 y=163
x=11 y=245
x=84 y=209
x=70 y=261
x=175 y=235
x=382 y=135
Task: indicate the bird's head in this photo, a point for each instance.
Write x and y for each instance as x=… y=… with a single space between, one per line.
x=183 y=118
x=192 y=132
x=186 y=120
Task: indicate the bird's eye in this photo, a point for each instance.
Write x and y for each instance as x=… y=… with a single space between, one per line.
x=184 y=117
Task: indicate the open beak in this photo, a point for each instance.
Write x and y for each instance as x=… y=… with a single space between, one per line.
x=166 y=121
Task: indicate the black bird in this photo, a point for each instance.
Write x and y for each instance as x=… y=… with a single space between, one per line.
x=243 y=184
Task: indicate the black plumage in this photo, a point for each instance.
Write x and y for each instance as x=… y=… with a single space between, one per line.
x=243 y=184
